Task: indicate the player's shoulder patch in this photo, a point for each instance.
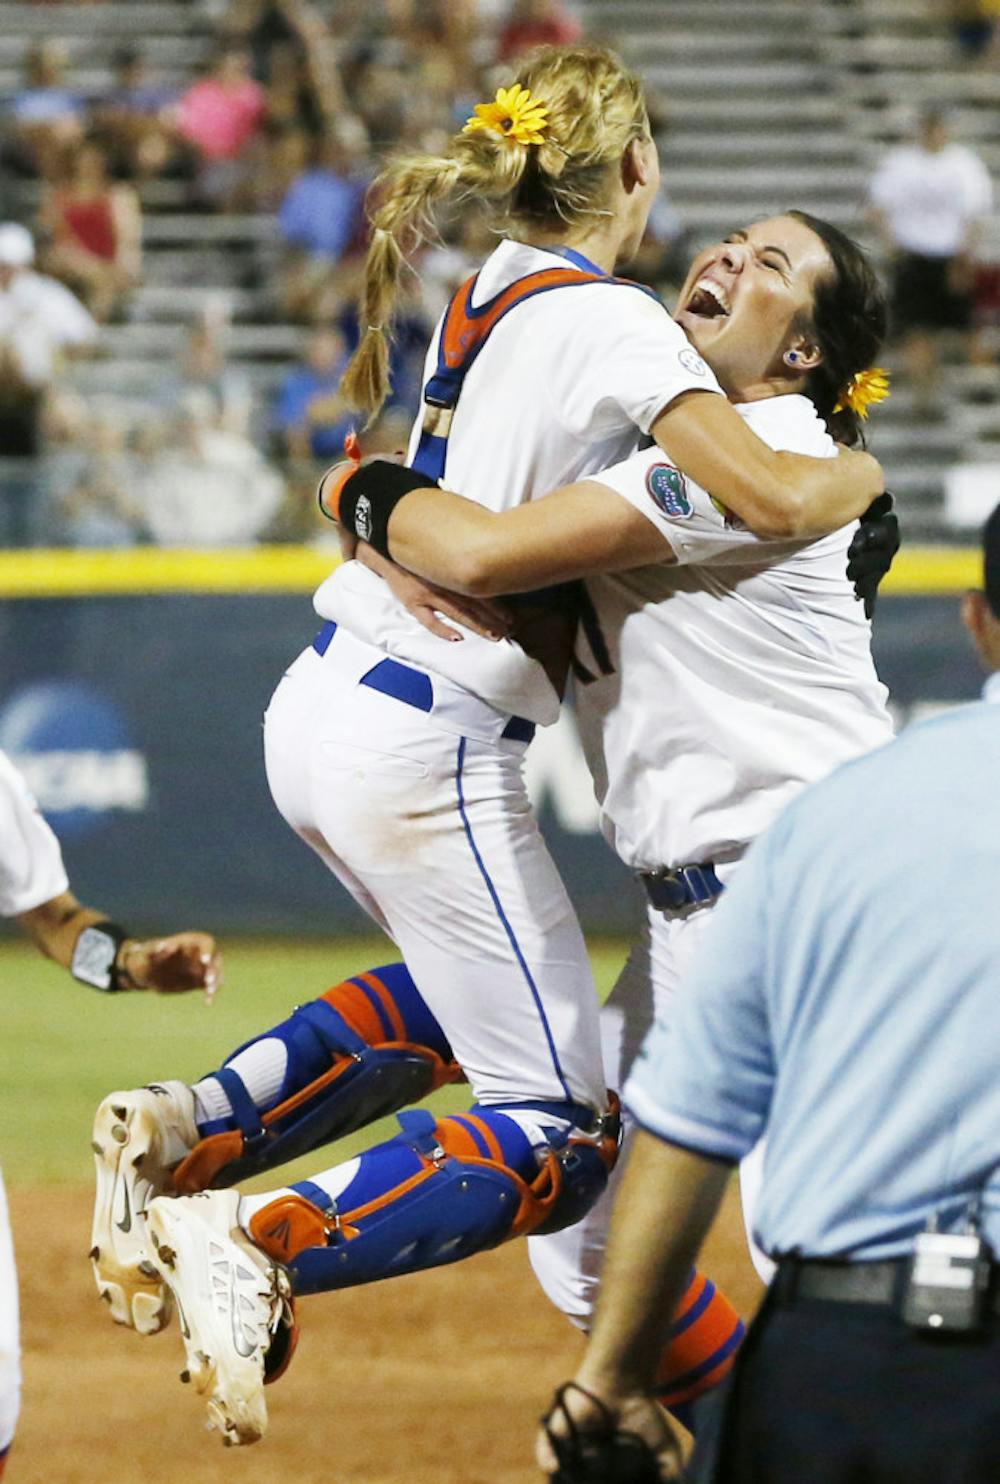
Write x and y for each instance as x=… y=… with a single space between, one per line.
x=692 y=361
x=668 y=489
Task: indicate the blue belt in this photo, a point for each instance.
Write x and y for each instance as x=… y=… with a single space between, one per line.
x=684 y=886
x=413 y=687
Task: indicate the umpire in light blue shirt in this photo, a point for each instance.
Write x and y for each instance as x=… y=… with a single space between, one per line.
x=846 y=1007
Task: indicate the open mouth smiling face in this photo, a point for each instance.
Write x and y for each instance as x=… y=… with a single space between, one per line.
x=708 y=299
x=743 y=297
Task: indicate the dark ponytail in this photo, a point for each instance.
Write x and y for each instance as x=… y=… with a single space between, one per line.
x=849 y=321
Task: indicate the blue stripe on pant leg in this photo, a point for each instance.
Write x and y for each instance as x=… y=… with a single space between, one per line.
x=506 y=925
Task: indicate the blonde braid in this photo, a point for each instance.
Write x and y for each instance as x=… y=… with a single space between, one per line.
x=594 y=107
x=408 y=190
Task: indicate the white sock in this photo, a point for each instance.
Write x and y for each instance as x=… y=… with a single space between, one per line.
x=333 y=1182
x=538 y=1128
x=251 y=1204
x=261 y=1068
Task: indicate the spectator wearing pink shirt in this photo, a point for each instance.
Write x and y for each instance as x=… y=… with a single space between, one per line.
x=220 y=115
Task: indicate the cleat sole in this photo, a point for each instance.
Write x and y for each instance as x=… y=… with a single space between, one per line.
x=230 y=1382
x=131 y=1287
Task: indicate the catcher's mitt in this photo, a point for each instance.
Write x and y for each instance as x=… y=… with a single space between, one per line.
x=601 y=1454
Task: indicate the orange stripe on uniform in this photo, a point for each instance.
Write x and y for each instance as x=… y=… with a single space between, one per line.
x=486 y=1134
x=704 y=1347
x=692 y=1294
x=708 y=1382
x=388 y=1004
x=461 y=330
x=350 y=1001
x=457 y=1141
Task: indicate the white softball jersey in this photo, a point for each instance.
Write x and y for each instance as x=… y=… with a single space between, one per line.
x=31 y=865
x=740 y=674
x=423 y=814
x=564 y=386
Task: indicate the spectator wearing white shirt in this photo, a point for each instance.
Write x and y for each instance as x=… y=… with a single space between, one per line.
x=929 y=199
x=208 y=486
x=40 y=320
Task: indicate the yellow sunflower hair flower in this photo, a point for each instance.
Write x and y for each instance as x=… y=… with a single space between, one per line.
x=864 y=390
x=514 y=115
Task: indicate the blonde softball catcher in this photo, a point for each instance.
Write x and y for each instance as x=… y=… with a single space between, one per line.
x=397 y=758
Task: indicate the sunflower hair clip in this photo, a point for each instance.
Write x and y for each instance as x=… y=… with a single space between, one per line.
x=865 y=389
x=514 y=116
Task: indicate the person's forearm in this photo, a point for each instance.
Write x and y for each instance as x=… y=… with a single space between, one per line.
x=576 y=531
x=775 y=494
x=460 y=545
x=666 y=1203
x=55 y=926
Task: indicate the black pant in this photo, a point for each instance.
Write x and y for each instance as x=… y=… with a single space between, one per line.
x=841 y=1394
x=922 y=298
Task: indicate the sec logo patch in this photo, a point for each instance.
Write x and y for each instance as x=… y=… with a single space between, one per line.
x=692 y=361
x=667 y=488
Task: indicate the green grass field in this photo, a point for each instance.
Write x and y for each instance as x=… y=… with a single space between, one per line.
x=65 y=1046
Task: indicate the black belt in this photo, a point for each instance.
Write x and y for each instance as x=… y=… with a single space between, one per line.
x=877 y=1284
x=682 y=886
x=412 y=687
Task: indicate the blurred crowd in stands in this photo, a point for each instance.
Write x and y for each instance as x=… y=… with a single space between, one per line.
x=287 y=116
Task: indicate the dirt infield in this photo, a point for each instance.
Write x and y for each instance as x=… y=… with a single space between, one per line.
x=434 y=1379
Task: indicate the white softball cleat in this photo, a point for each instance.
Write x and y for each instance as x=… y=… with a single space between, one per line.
x=138 y=1138
x=231 y=1301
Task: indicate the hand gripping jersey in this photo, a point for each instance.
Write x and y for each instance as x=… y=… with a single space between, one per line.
x=714 y=690
x=554 y=385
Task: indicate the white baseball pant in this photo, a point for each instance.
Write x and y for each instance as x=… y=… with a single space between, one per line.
x=568 y=1263
x=424 y=817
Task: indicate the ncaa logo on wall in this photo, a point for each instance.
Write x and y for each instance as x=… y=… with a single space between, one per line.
x=667 y=487
x=73 y=747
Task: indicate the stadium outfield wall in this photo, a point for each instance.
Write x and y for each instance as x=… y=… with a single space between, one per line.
x=133 y=689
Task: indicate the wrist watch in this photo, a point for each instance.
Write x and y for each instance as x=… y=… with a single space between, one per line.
x=94 y=955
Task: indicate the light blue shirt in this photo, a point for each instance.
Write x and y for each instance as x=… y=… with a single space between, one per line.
x=847 y=1003
x=322 y=212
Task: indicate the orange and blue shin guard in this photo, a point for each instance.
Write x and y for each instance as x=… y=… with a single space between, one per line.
x=364 y=1049
x=439 y=1191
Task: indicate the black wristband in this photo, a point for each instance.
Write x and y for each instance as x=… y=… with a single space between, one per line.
x=371 y=495
x=95 y=954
